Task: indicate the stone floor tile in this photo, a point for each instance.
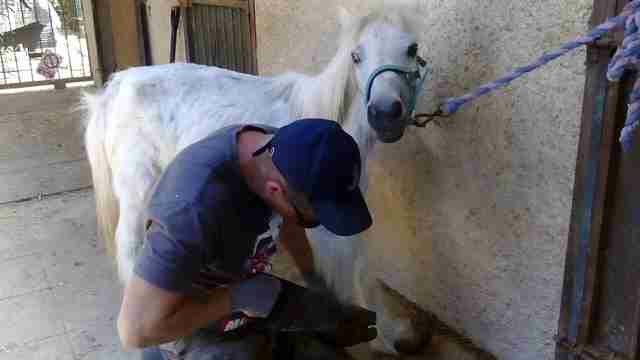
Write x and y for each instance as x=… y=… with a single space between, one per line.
x=52 y=348
x=29 y=317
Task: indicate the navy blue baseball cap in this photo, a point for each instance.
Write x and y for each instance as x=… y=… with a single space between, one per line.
x=318 y=158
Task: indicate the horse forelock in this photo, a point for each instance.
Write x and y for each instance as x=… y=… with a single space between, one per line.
x=330 y=93
x=398 y=15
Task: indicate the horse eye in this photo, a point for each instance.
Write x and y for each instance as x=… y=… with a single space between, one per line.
x=356 y=57
x=412 y=50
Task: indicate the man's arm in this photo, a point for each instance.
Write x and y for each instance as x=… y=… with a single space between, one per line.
x=150 y=315
x=157 y=305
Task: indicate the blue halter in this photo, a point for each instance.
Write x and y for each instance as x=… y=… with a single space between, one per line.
x=414 y=79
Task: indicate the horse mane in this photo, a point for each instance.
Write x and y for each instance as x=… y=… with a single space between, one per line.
x=330 y=93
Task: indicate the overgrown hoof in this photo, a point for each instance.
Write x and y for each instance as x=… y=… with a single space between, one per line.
x=412 y=345
x=412 y=331
x=402 y=329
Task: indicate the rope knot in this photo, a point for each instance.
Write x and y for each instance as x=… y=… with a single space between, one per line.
x=627 y=57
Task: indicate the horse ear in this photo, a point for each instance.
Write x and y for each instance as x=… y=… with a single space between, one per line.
x=344 y=16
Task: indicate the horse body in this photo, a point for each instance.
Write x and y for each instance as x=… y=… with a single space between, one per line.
x=145 y=116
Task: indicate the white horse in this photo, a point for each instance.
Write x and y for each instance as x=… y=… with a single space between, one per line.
x=146 y=115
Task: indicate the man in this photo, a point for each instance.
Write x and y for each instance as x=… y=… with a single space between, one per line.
x=207 y=244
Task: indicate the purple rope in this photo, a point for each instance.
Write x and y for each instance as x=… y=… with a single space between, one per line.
x=628 y=56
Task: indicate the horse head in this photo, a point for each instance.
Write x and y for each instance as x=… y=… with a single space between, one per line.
x=387 y=69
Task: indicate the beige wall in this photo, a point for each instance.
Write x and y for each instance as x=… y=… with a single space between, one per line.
x=159 y=14
x=471 y=218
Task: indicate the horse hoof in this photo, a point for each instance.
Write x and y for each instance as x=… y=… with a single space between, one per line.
x=412 y=345
x=400 y=323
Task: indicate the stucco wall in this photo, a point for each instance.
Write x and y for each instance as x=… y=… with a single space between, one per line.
x=471 y=218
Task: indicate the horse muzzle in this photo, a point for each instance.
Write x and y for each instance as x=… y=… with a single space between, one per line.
x=389 y=115
x=388 y=118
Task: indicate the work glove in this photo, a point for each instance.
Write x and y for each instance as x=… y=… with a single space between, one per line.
x=251 y=299
x=308 y=312
x=272 y=305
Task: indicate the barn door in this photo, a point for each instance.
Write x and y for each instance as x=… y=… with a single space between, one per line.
x=600 y=316
x=222 y=33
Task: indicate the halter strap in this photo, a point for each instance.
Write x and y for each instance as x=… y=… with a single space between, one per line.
x=415 y=85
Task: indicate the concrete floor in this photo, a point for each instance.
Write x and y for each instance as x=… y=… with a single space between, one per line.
x=58 y=291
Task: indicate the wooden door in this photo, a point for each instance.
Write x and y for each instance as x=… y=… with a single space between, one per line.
x=600 y=316
x=222 y=33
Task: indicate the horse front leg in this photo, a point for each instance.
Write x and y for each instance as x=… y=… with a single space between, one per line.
x=334 y=257
x=129 y=234
x=133 y=180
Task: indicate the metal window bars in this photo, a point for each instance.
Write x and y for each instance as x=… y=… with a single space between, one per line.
x=32 y=29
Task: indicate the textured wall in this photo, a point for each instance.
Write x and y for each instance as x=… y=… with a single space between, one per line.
x=471 y=217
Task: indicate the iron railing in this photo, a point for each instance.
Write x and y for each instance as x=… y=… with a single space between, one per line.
x=42 y=41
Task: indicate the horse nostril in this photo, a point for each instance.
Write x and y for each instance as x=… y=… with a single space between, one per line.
x=387 y=112
x=395 y=110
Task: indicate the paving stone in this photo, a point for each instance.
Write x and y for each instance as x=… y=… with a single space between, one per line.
x=46 y=227
x=109 y=353
x=29 y=318
x=54 y=348
x=96 y=302
x=42 y=146
x=39 y=101
x=22 y=275
x=94 y=337
x=39 y=138
x=45 y=179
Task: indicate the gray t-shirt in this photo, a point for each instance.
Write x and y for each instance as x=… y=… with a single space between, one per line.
x=205 y=227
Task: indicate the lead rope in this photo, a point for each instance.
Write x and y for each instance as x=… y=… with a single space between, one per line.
x=626 y=57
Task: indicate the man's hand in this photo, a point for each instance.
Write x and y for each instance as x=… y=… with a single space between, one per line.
x=256 y=296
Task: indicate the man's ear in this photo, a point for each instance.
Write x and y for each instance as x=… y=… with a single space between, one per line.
x=274 y=189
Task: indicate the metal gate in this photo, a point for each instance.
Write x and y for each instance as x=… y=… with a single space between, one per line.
x=42 y=42
x=600 y=315
x=222 y=33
